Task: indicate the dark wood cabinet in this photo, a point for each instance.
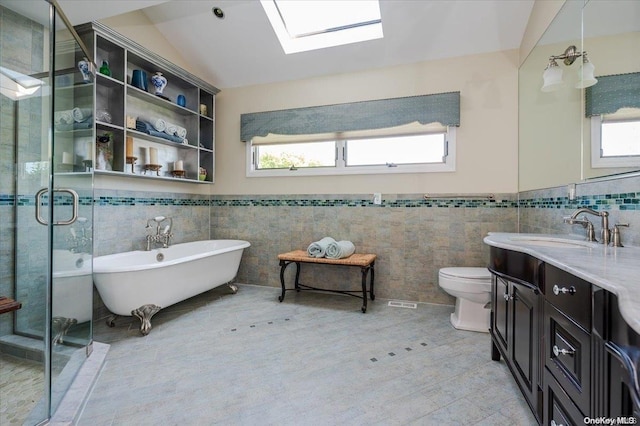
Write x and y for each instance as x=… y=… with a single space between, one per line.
x=515 y=323
x=621 y=364
x=568 y=347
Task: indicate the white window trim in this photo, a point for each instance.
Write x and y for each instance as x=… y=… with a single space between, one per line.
x=449 y=165
x=597 y=161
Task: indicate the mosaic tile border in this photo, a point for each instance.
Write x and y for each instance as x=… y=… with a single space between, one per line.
x=151 y=201
x=435 y=202
x=621 y=201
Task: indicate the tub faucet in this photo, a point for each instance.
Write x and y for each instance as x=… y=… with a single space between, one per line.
x=163 y=235
x=78 y=243
x=605 y=233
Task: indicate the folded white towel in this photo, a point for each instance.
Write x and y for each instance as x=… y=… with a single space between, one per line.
x=63 y=117
x=81 y=114
x=319 y=248
x=340 y=249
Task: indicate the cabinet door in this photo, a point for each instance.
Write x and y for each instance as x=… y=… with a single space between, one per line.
x=500 y=303
x=622 y=396
x=524 y=339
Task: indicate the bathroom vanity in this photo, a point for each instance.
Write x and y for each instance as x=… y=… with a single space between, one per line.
x=565 y=317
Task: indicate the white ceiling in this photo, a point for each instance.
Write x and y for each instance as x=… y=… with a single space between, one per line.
x=242 y=49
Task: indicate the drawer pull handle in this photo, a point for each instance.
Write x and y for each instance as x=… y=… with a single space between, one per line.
x=553 y=423
x=557 y=351
x=557 y=290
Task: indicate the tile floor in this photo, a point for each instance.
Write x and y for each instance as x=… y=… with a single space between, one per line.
x=21 y=387
x=314 y=359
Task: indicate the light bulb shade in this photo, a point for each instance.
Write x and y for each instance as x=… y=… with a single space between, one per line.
x=586 y=76
x=552 y=79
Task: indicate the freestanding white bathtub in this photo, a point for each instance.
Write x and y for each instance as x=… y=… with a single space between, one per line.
x=140 y=283
x=72 y=301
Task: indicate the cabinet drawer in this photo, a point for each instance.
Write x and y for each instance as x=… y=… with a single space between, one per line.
x=568 y=355
x=558 y=407
x=571 y=295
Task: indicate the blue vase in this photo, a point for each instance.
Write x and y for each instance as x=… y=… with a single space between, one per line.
x=159 y=82
x=139 y=79
x=182 y=101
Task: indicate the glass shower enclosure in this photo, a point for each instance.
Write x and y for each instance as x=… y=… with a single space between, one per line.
x=46 y=207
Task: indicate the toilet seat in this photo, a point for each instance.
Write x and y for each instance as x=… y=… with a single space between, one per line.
x=469 y=273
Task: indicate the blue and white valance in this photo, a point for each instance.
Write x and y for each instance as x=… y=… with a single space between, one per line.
x=611 y=93
x=443 y=108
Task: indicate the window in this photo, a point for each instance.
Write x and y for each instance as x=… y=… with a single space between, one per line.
x=352 y=153
x=315 y=24
x=615 y=139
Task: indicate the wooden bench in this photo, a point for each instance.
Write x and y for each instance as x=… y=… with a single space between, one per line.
x=8 y=305
x=365 y=262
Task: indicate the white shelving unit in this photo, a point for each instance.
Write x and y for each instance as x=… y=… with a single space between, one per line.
x=124 y=103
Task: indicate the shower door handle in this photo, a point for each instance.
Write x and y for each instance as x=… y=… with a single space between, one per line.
x=74 y=206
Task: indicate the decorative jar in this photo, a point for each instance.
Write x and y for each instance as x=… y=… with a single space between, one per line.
x=83 y=66
x=104 y=69
x=159 y=82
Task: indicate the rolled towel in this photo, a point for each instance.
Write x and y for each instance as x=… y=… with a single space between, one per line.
x=171 y=129
x=157 y=123
x=340 y=249
x=63 y=117
x=81 y=114
x=181 y=132
x=319 y=248
x=144 y=127
x=65 y=127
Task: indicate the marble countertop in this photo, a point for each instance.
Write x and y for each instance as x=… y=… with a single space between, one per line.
x=616 y=269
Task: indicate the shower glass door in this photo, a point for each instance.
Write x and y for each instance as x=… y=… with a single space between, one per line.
x=53 y=132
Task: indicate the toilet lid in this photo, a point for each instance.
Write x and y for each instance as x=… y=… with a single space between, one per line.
x=466 y=272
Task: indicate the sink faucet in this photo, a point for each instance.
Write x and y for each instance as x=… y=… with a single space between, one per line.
x=162 y=235
x=605 y=234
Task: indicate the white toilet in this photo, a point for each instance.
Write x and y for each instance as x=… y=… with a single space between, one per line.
x=472 y=289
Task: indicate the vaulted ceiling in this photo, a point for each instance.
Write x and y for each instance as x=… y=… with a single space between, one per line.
x=242 y=49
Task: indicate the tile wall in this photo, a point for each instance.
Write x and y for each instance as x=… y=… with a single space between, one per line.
x=412 y=237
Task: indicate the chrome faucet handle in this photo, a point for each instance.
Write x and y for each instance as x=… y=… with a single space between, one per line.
x=591 y=233
x=616 y=234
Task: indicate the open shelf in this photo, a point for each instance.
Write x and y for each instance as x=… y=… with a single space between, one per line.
x=119 y=104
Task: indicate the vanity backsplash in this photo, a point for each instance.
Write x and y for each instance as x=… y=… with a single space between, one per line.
x=541 y=211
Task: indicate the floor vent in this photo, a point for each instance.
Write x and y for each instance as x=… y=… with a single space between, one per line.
x=397 y=304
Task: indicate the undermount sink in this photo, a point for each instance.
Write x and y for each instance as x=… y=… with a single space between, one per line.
x=552 y=242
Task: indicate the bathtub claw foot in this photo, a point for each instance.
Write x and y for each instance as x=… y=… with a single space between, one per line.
x=111 y=320
x=233 y=288
x=144 y=313
x=60 y=327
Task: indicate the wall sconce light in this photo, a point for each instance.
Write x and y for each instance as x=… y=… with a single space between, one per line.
x=552 y=75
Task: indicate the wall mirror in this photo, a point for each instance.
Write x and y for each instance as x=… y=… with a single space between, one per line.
x=555 y=136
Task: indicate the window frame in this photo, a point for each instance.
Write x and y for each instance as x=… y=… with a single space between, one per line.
x=448 y=165
x=597 y=161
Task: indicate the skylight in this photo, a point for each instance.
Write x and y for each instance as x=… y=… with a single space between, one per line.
x=316 y=24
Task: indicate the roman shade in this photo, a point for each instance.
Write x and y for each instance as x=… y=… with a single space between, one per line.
x=611 y=93
x=443 y=108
